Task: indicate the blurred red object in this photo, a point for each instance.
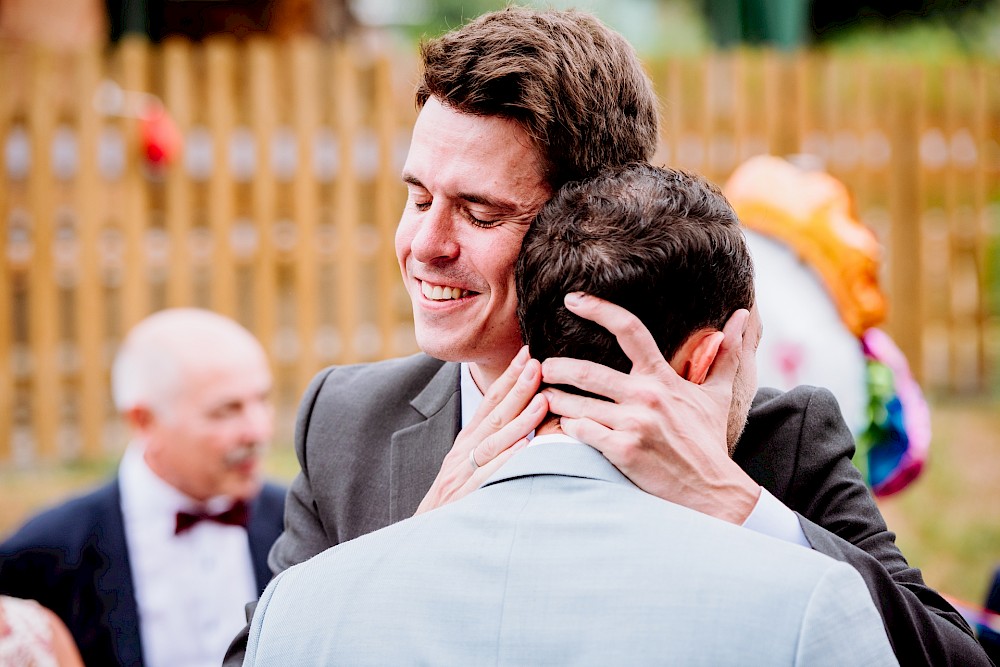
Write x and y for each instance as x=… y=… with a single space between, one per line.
x=160 y=139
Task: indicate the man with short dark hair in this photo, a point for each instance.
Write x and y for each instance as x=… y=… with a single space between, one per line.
x=512 y=105
x=683 y=272
x=558 y=558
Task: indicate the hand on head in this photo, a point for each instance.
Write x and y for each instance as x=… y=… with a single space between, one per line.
x=669 y=435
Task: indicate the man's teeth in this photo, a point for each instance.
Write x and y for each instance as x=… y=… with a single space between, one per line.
x=441 y=293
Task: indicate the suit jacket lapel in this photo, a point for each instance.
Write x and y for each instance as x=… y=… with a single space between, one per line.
x=114 y=585
x=418 y=450
x=259 y=544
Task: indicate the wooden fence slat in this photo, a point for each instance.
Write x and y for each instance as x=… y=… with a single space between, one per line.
x=675 y=108
x=803 y=71
x=135 y=302
x=346 y=206
x=220 y=54
x=950 y=201
x=7 y=57
x=866 y=115
x=387 y=192
x=981 y=130
x=741 y=116
x=967 y=284
x=304 y=65
x=43 y=296
x=179 y=199
x=907 y=117
x=90 y=306
x=705 y=115
x=263 y=91
x=828 y=107
x=774 y=103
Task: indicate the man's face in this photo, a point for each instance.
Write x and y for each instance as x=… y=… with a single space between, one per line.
x=475 y=183
x=745 y=382
x=209 y=437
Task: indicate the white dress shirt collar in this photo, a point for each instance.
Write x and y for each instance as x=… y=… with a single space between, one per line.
x=472 y=398
x=190 y=589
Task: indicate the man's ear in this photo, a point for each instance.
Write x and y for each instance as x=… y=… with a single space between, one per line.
x=138 y=418
x=696 y=355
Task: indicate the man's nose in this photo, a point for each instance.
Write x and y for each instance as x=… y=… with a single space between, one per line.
x=434 y=238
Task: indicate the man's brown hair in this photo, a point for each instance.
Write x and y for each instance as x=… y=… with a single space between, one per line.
x=575 y=86
x=663 y=244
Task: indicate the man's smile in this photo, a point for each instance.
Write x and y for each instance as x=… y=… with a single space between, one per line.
x=442 y=292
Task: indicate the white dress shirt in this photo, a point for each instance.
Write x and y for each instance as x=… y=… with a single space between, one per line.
x=769 y=516
x=190 y=588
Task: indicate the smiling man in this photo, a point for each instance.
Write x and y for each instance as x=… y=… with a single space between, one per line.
x=512 y=106
x=475 y=184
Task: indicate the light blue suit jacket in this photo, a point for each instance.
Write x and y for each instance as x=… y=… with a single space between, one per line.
x=560 y=560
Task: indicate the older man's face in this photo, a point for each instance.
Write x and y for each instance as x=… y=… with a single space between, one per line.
x=475 y=183
x=209 y=438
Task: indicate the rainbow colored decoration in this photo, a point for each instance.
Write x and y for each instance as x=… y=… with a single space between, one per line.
x=811 y=213
x=893 y=449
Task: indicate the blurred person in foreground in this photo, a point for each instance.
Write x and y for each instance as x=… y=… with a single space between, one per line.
x=155 y=567
x=31 y=635
x=512 y=106
x=559 y=558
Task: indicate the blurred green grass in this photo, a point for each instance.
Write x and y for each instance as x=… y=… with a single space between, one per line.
x=947 y=522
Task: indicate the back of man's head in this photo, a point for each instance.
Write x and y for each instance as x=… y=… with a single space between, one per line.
x=575 y=86
x=661 y=243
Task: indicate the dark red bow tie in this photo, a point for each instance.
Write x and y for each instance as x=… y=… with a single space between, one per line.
x=234 y=516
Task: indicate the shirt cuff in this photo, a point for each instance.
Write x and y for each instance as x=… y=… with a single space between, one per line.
x=771 y=517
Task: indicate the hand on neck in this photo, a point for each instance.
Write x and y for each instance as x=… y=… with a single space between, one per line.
x=549 y=426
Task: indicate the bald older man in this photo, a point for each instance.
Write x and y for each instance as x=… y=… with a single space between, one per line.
x=155 y=567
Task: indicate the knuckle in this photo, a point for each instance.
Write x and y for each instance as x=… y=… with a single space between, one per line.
x=523 y=392
x=631 y=424
x=628 y=453
x=486 y=450
x=629 y=326
x=495 y=420
x=647 y=396
x=493 y=397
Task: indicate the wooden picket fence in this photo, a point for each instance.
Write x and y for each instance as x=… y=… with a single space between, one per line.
x=281 y=210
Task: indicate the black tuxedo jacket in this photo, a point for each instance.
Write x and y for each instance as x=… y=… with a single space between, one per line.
x=371 y=438
x=73 y=559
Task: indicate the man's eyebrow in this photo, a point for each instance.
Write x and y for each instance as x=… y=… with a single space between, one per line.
x=500 y=205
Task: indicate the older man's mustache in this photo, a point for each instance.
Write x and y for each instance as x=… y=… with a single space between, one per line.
x=243 y=454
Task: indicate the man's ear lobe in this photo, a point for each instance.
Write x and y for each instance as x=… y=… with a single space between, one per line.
x=138 y=417
x=697 y=354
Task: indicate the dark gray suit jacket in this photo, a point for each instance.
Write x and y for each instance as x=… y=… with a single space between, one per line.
x=371 y=438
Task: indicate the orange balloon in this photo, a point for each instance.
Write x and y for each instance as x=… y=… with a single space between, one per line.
x=812 y=213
